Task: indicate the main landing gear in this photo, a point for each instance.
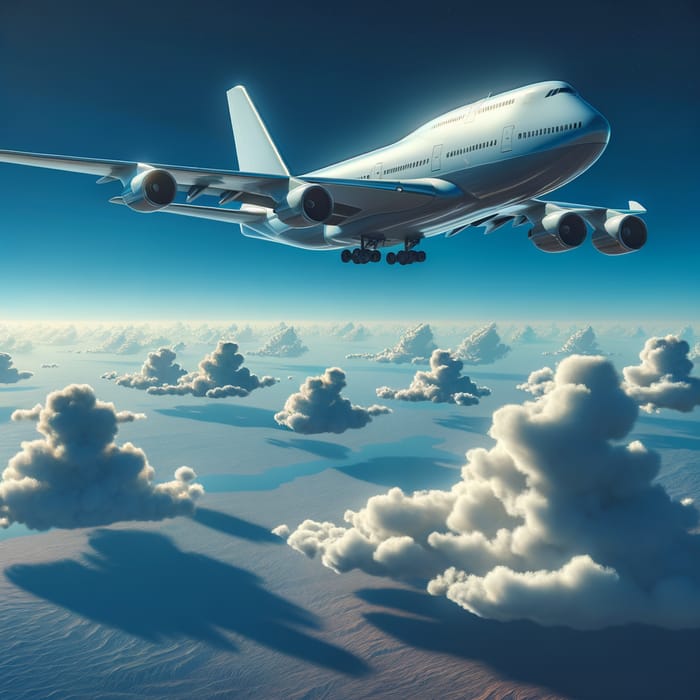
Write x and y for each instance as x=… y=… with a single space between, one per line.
x=407 y=256
x=361 y=256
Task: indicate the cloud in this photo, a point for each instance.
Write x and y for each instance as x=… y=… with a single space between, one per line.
x=220 y=374
x=352 y=333
x=663 y=380
x=318 y=407
x=109 y=375
x=159 y=369
x=581 y=342
x=77 y=476
x=49 y=365
x=415 y=345
x=442 y=384
x=284 y=343
x=8 y=373
x=482 y=347
x=560 y=522
x=10 y=343
x=695 y=352
x=526 y=336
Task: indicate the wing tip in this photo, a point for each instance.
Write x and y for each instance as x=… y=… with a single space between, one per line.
x=636 y=206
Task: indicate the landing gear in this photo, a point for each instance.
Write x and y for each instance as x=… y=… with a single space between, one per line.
x=407 y=256
x=366 y=253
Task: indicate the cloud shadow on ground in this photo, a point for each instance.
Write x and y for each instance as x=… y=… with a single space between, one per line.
x=408 y=473
x=470 y=424
x=329 y=450
x=225 y=414
x=236 y=527
x=633 y=661
x=141 y=583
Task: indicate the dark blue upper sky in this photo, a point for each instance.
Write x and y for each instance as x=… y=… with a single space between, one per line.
x=147 y=82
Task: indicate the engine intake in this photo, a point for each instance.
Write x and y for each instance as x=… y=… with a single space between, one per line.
x=621 y=234
x=150 y=190
x=308 y=205
x=558 y=232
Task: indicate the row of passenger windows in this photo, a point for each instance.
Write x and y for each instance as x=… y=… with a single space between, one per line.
x=448 y=121
x=469 y=149
x=549 y=130
x=406 y=166
x=488 y=108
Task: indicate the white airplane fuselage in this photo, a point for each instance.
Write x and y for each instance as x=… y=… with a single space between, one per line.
x=493 y=153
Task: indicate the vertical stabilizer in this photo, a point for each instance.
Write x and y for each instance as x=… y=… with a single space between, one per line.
x=254 y=148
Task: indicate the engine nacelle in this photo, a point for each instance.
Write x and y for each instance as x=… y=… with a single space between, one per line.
x=150 y=190
x=304 y=206
x=558 y=232
x=621 y=234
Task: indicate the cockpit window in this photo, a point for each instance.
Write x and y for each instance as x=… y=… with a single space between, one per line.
x=556 y=91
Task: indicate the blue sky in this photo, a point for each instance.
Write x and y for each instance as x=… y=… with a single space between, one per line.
x=94 y=80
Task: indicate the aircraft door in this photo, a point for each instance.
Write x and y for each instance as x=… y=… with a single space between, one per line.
x=507 y=140
x=435 y=166
x=377 y=175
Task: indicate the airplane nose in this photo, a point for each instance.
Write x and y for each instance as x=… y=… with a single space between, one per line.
x=599 y=128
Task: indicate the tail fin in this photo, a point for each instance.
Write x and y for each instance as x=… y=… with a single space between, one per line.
x=254 y=148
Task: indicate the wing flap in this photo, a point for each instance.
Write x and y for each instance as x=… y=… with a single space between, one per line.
x=250 y=215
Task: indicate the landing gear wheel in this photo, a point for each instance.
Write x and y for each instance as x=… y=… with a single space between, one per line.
x=346 y=256
x=356 y=256
x=420 y=255
x=375 y=256
x=412 y=256
x=391 y=258
x=402 y=257
x=365 y=256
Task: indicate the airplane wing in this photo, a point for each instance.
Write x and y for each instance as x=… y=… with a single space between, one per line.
x=352 y=198
x=534 y=210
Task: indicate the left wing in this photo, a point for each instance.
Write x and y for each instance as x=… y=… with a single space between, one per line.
x=352 y=198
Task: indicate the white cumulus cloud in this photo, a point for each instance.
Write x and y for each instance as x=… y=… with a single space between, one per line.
x=318 y=406
x=8 y=373
x=220 y=374
x=560 y=522
x=482 y=347
x=285 y=342
x=444 y=383
x=415 y=345
x=77 y=476
x=580 y=342
x=159 y=369
x=663 y=380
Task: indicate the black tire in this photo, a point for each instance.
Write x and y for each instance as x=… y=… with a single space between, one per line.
x=412 y=256
x=346 y=256
x=390 y=258
x=421 y=256
x=376 y=256
x=402 y=257
x=356 y=256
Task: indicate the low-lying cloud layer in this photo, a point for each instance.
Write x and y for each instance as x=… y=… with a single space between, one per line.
x=318 y=406
x=8 y=373
x=444 y=383
x=663 y=380
x=284 y=343
x=415 y=345
x=482 y=347
x=159 y=369
x=220 y=374
x=77 y=476
x=559 y=522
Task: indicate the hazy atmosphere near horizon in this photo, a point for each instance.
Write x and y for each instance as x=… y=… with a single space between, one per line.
x=237 y=469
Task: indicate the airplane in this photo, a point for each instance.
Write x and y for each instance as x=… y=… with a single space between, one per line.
x=481 y=165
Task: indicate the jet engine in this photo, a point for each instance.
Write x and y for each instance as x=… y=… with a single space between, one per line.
x=304 y=206
x=150 y=190
x=621 y=234
x=558 y=232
